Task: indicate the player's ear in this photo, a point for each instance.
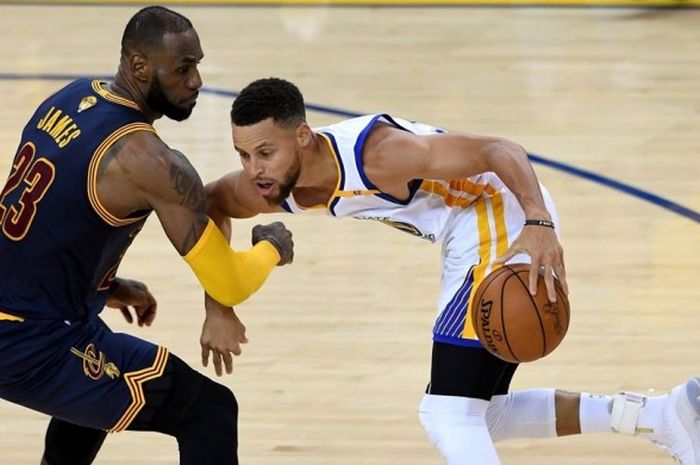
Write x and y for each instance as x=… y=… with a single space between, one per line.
x=139 y=67
x=304 y=134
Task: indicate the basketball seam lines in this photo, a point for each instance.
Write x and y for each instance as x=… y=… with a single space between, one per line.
x=536 y=309
x=503 y=321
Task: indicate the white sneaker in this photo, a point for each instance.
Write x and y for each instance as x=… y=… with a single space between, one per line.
x=679 y=433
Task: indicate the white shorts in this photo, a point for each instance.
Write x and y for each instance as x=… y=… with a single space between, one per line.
x=478 y=235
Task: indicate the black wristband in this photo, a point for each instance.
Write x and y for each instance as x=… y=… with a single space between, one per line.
x=545 y=223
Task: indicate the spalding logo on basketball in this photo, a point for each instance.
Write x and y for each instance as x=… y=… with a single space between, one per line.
x=514 y=325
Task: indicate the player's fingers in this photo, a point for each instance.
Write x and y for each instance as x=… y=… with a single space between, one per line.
x=560 y=270
x=228 y=361
x=216 y=358
x=236 y=349
x=126 y=314
x=549 y=283
x=205 y=355
x=150 y=315
x=139 y=310
x=533 y=276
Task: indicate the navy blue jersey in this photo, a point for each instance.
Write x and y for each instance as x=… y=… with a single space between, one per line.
x=59 y=247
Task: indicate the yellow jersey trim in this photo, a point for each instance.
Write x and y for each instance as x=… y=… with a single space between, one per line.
x=134 y=381
x=8 y=317
x=451 y=191
x=355 y=193
x=336 y=159
x=486 y=241
x=98 y=87
x=93 y=171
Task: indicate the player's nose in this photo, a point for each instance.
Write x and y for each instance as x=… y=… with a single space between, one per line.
x=195 y=80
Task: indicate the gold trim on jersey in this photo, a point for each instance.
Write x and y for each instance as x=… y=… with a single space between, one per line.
x=451 y=191
x=94 y=169
x=485 y=243
x=97 y=86
x=357 y=192
x=134 y=380
x=336 y=191
x=8 y=317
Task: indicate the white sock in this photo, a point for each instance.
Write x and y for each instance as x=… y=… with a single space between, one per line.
x=457 y=427
x=594 y=413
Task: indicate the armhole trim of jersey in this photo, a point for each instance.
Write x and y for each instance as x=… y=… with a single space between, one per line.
x=413 y=185
x=93 y=170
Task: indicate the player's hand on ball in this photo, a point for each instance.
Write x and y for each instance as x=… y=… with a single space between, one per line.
x=546 y=256
x=279 y=236
x=222 y=335
x=131 y=293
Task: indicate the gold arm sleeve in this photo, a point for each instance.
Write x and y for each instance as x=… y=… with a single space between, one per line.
x=230 y=277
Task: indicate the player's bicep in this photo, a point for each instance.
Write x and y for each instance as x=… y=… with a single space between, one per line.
x=438 y=156
x=181 y=205
x=171 y=187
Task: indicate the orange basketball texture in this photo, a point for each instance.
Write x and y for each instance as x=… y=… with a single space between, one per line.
x=514 y=325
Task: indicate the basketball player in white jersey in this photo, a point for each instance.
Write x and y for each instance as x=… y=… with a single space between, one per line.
x=480 y=198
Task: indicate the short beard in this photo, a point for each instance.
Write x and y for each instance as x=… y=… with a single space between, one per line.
x=160 y=103
x=286 y=186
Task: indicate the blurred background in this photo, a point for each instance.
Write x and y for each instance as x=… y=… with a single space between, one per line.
x=607 y=96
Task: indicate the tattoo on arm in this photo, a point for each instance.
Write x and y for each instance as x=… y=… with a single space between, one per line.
x=187 y=184
x=189 y=188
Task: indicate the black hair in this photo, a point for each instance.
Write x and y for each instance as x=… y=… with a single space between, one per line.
x=145 y=30
x=269 y=98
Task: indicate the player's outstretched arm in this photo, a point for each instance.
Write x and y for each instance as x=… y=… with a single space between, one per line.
x=164 y=180
x=231 y=196
x=450 y=156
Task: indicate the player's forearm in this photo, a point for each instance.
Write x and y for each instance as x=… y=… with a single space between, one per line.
x=509 y=161
x=228 y=276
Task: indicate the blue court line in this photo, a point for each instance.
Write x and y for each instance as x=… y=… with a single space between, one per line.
x=569 y=169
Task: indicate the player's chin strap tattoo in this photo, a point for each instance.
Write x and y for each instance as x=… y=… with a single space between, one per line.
x=265 y=233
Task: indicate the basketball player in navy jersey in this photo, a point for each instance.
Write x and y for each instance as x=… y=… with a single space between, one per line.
x=89 y=170
x=480 y=197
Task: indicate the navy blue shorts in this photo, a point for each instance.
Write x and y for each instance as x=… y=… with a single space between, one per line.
x=81 y=372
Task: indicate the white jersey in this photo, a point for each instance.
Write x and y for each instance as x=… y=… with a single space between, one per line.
x=475 y=218
x=432 y=204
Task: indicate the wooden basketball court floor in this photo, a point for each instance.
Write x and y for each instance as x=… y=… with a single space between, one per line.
x=340 y=342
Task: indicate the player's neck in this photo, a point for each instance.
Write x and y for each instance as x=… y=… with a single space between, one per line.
x=125 y=87
x=319 y=170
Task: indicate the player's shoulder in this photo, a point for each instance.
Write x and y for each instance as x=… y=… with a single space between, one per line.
x=145 y=146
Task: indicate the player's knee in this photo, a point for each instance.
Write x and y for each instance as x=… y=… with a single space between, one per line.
x=222 y=408
x=497 y=415
x=214 y=411
x=521 y=414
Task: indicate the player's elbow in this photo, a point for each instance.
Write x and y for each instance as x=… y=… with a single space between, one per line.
x=498 y=149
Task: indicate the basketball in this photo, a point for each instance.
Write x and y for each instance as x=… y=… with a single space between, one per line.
x=514 y=325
